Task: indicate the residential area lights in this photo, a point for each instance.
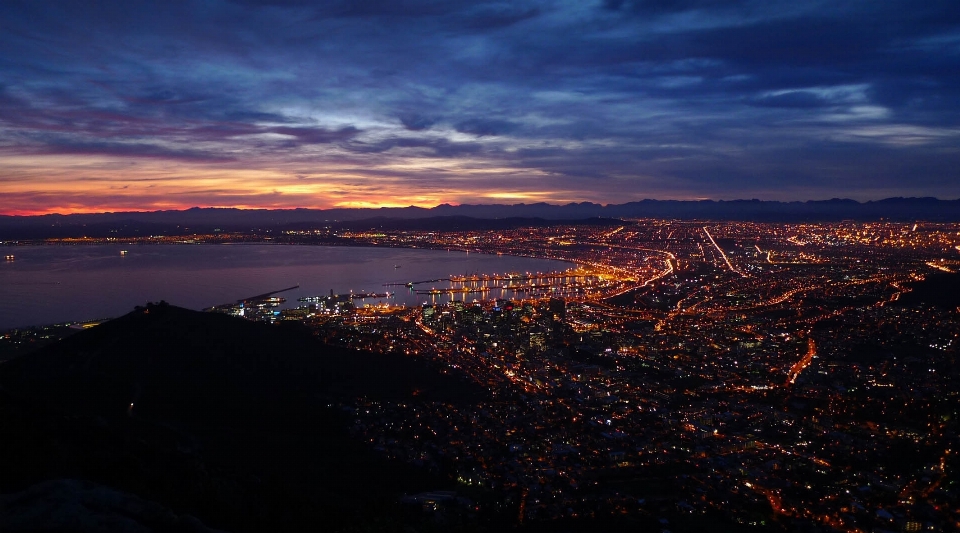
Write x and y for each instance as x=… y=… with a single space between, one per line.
x=723 y=255
x=825 y=379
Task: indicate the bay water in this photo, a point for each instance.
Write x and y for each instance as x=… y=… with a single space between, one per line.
x=48 y=284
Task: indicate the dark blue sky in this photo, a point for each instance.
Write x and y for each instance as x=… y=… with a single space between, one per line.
x=145 y=105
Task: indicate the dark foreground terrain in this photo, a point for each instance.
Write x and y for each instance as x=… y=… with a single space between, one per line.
x=173 y=420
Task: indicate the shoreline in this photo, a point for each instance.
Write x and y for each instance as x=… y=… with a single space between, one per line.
x=119 y=246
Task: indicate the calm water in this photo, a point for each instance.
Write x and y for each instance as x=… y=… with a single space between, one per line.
x=941 y=290
x=53 y=284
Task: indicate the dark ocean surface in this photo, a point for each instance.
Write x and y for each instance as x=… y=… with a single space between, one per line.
x=54 y=284
x=942 y=290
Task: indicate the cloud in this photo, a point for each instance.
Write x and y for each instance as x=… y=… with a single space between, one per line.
x=419 y=147
x=791 y=99
x=316 y=135
x=416 y=122
x=481 y=127
x=498 y=15
x=60 y=145
x=597 y=101
x=667 y=6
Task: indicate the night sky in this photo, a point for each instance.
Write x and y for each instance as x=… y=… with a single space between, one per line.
x=142 y=106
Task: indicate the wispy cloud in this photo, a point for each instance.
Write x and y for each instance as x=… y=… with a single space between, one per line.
x=428 y=101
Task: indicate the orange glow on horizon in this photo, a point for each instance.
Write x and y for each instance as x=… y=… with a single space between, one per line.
x=75 y=184
x=100 y=209
x=63 y=184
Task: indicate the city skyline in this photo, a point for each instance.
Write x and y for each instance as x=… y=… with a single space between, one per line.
x=480 y=266
x=613 y=375
x=285 y=104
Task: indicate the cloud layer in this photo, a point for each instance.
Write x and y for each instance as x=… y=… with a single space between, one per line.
x=285 y=103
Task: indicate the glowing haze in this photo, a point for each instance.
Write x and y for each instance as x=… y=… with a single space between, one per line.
x=113 y=106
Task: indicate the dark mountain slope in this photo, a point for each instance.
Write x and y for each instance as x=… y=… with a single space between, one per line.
x=208 y=368
x=230 y=420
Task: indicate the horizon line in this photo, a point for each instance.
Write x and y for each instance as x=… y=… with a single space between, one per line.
x=448 y=204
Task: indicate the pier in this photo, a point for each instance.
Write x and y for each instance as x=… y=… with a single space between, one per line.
x=258 y=298
x=266 y=295
x=506 y=277
x=345 y=297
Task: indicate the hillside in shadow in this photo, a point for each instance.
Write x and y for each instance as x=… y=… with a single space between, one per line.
x=231 y=421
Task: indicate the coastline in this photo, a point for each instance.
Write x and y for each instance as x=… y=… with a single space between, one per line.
x=294 y=264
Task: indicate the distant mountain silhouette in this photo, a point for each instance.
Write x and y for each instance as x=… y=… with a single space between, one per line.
x=209 y=219
x=213 y=416
x=461 y=223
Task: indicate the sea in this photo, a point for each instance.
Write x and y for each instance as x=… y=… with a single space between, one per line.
x=53 y=284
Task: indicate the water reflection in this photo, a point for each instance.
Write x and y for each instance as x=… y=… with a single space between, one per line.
x=48 y=284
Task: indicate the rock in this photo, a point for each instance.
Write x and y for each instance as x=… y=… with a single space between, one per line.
x=86 y=507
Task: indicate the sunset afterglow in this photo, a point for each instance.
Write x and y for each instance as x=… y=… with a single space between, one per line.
x=129 y=106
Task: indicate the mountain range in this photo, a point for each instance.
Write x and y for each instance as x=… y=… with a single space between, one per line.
x=201 y=220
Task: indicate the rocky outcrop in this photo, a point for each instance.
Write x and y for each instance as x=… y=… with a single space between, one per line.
x=69 y=505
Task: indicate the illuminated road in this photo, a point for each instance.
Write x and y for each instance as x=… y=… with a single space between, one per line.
x=932 y=264
x=803 y=363
x=660 y=275
x=769 y=254
x=723 y=255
